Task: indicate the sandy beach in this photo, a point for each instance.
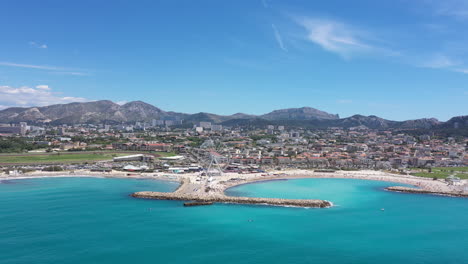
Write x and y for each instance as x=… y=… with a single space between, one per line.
x=228 y=180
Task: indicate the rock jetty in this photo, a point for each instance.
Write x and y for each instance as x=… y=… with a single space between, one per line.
x=423 y=191
x=232 y=199
x=199 y=193
x=188 y=204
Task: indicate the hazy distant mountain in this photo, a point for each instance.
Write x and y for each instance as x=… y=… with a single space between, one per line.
x=420 y=123
x=112 y=113
x=107 y=111
x=65 y=113
x=304 y=113
x=241 y=116
x=380 y=123
x=205 y=117
x=90 y=112
x=372 y=122
x=457 y=122
x=139 y=110
x=368 y=121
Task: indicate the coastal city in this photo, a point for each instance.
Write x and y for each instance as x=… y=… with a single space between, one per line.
x=166 y=147
x=232 y=132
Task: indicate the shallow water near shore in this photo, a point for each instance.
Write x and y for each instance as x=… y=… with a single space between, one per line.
x=93 y=220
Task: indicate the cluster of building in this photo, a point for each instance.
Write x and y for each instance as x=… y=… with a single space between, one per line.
x=271 y=146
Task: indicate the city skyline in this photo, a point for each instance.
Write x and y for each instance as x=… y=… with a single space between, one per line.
x=400 y=60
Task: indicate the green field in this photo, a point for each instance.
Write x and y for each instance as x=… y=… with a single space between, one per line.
x=57 y=158
x=442 y=172
x=165 y=154
x=67 y=157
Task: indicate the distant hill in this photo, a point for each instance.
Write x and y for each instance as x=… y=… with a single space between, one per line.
x=65 y=113
x=304 y=113
x=372 y=122
x=457 y=122
x=111 y=113
x=90 y=112
x=380 y=123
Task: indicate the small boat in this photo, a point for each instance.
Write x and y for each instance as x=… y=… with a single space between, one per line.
x=383 y=209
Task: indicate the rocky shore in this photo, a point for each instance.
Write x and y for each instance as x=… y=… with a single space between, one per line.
x=232 y=199
x=424 y=191
x=207 y=193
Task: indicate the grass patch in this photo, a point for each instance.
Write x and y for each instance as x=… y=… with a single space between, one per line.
x=450 y=169
x=57 y=158
x=164 y=154
x=443 y=172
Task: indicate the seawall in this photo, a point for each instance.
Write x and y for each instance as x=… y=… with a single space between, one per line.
x=232 y=199
x=423 y=191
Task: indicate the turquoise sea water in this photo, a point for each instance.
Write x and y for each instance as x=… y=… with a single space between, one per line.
x=92 y=220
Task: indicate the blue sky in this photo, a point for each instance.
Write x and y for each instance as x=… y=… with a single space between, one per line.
x=397 y=59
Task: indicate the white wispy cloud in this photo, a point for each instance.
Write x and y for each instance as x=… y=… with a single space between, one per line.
x=440 y=61
x=340 y=38
x=37 y=45
x=279 y=38
x=451 y=8
x=31 y=66
x=43 y=87
x=72 y=73
x=59 y=70
x=38 y=96
x=349 y=41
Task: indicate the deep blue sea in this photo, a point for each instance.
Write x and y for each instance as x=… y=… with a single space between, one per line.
x=93 y=220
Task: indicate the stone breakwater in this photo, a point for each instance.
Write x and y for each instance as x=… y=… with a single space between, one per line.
x=188 y=204
x=234 y=200
x=423 y=191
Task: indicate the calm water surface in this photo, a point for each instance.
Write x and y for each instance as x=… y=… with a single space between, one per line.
x=92 y=220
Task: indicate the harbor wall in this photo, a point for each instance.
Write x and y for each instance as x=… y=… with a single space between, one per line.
x=423 y=191
x=232 y=199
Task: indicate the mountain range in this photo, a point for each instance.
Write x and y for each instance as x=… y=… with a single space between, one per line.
x=111 y=113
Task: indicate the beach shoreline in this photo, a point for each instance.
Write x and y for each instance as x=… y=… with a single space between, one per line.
x=230 y=180
x=81 y=174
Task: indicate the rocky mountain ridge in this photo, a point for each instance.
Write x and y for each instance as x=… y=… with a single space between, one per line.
x=111 y=113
